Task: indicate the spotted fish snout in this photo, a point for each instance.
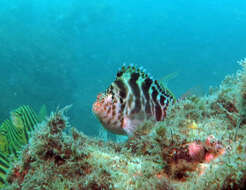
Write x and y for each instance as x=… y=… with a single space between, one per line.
x=101 y=105
x=106 y=109
x=97 y=105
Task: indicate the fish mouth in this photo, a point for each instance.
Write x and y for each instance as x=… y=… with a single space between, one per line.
x=96 y=107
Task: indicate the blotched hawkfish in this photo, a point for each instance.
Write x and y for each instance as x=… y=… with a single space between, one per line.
x=131 y=99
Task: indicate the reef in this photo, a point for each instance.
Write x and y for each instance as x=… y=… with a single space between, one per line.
x=199 y=145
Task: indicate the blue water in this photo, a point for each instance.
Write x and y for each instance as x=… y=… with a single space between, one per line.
x=65 y=52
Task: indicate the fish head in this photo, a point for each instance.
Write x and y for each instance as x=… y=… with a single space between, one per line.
x=102 y=105
x=107 y=110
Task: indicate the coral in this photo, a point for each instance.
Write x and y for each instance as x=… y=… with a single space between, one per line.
x=242 y=103
x=188 y=157
x=199 y=145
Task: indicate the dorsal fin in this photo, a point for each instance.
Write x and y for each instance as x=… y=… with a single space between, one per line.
x=126 y=71
x=43 y=113
x=164 y=80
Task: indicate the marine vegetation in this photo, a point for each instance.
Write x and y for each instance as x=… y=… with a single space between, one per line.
x=14 y=134
x=199 y=145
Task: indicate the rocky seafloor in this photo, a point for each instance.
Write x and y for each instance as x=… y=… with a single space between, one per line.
x=201 y=144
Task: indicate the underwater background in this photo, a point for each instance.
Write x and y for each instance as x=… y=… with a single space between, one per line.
x=66 y=52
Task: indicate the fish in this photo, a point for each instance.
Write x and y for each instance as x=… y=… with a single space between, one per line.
x=25 y=119
x=14 y=134
x=132 y=98
x=14 y=137
x=4 y=162
x=4 y=166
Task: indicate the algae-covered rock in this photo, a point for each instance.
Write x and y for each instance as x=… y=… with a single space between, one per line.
x=199 y=145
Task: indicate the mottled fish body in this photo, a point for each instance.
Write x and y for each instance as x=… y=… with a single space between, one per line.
x=131 y=99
